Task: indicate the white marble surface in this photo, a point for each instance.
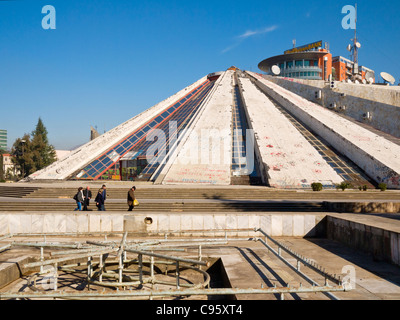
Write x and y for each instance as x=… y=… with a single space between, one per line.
x=204 y=156
x=278 y=225
x=298 y=225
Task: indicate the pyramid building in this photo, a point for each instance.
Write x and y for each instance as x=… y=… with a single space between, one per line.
x=232 y=127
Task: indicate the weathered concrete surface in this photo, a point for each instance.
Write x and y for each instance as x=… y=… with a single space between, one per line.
x=206 y=153
x=290 y=161
x=374 y=280
x=353 y=100
x=85 y=154
x=276 y=224
x=249 y=265
x=377 y=156
x=378 y=236
x=11 y=266
x=363 y=207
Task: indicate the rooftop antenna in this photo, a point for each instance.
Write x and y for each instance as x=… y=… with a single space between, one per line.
x=355 y=47
x=388 y=78
x=356 y=44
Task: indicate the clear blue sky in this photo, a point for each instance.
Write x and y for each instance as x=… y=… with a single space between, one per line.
x=109 y=60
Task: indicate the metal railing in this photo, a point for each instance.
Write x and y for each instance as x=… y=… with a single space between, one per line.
x=98 y=272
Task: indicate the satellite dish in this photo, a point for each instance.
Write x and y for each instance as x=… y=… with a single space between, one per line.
x=357 y=82
x=276 y=71
x=388 y=78
x=371 y=80
x=349 y=81
x=364 y=81
x=358 y=45
x=349 y=47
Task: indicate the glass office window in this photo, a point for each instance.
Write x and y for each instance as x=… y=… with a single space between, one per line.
x=299 y=63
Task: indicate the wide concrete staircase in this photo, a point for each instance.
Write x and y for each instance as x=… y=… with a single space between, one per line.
x=208 y=207
x=170 y=199
x=16 y=192
x=233 y=193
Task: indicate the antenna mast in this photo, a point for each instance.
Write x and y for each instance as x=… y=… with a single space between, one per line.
x=355 y=46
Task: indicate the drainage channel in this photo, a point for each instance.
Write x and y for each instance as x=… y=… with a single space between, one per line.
x=344 y=167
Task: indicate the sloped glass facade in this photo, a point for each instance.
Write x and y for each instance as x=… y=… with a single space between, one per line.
x=181 y=112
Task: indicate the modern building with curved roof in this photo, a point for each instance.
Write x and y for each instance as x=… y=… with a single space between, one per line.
x=311 y=62
x=315 y=62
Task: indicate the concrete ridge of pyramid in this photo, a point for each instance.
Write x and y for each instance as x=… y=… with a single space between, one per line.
x=378 y=157
x=207 y=163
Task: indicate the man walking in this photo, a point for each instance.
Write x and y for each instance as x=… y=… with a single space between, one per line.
x=131 y=198
x=104 y=194
x=100 y=200
x=87 y=196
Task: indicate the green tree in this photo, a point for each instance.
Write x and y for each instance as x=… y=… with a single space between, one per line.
x=23 y=157
x=33 y=152
x=44 y=153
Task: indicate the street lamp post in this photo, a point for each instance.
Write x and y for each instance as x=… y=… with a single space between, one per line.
x=23 y=167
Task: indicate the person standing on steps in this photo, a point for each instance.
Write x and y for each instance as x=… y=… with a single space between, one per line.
x=104 y=194
x=131 y=198
x=88 y=195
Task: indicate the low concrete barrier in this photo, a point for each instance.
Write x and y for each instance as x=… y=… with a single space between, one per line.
x=362 y=207
x=382 y=242
x=276 y=224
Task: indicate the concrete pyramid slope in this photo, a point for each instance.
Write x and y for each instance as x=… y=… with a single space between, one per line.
x=79 y=158
x=206 y=155
x=233 y=127
x=377 y=156
x=290 y=159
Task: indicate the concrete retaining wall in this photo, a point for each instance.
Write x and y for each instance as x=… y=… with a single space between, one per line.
x=290 y=225
x=381 y=102
x=277 y=225
x=378 y=157
x=381 y=243
x=363 y=207
x=60 y=223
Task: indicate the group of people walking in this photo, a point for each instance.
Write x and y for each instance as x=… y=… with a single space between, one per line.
x=84 y=196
